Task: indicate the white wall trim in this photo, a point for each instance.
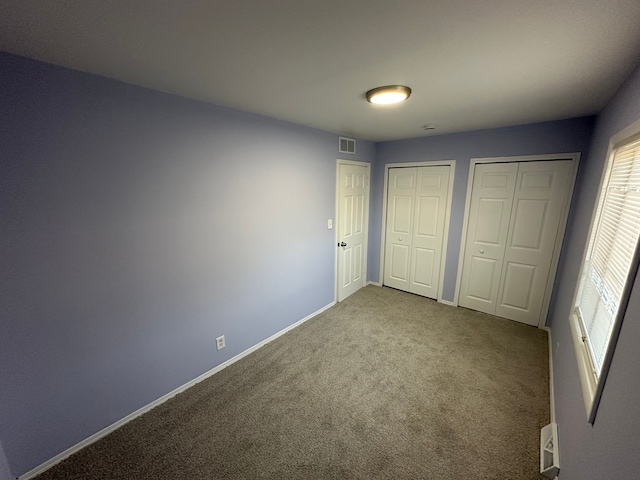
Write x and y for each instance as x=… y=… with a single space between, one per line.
x=586 y=372
x=552 y=390
x=447 y=222
x=447 y=219
x=552 y=396
x=574 y=157
x=447 y=302
x=377 y=284
x=105 y=431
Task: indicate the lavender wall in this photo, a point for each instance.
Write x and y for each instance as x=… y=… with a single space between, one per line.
x=611 y=447
x=137 y=227
x=535 y=139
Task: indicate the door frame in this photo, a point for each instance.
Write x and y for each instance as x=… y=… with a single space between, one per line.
x=562 y=226
x=336 y=228
x=447 y=216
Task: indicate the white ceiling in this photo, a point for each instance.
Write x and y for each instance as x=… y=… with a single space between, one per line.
x=471 y=64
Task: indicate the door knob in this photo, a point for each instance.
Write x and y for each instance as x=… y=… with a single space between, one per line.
x=342 y=244
x=399 y=239
x=481 y=251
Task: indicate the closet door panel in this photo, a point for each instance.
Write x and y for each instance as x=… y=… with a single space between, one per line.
x=488 y=226
x=399 y=229
x=432 y=188
x=538 y=200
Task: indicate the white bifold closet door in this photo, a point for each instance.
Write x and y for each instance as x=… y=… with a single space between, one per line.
x=514 y=218
x=415 y=224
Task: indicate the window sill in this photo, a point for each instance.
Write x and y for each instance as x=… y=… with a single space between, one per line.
x=588 y=378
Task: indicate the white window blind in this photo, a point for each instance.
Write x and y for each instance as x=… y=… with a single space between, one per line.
x=611 y=251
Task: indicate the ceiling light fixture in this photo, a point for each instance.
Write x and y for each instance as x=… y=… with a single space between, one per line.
x=388 y=94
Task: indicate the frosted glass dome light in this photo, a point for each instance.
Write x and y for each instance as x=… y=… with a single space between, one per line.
x=388 y=94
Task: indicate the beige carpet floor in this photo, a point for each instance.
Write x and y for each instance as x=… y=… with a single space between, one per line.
x=385 y=385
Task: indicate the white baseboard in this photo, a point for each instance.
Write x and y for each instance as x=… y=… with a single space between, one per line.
x=552 y=397
x=105 y=431
x=377 y=284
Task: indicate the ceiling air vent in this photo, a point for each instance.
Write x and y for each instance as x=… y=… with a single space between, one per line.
x=346 y=145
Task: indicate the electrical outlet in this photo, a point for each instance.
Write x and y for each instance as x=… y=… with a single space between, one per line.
x=329 y=224
x=220 y=342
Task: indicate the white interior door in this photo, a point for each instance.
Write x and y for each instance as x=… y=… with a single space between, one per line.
x=353 y=194
x=416 y=212
x=514 y=218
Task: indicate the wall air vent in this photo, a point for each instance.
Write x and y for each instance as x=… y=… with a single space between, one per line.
x=346 y=145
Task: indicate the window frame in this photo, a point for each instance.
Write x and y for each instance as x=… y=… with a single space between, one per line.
x=592 y=384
